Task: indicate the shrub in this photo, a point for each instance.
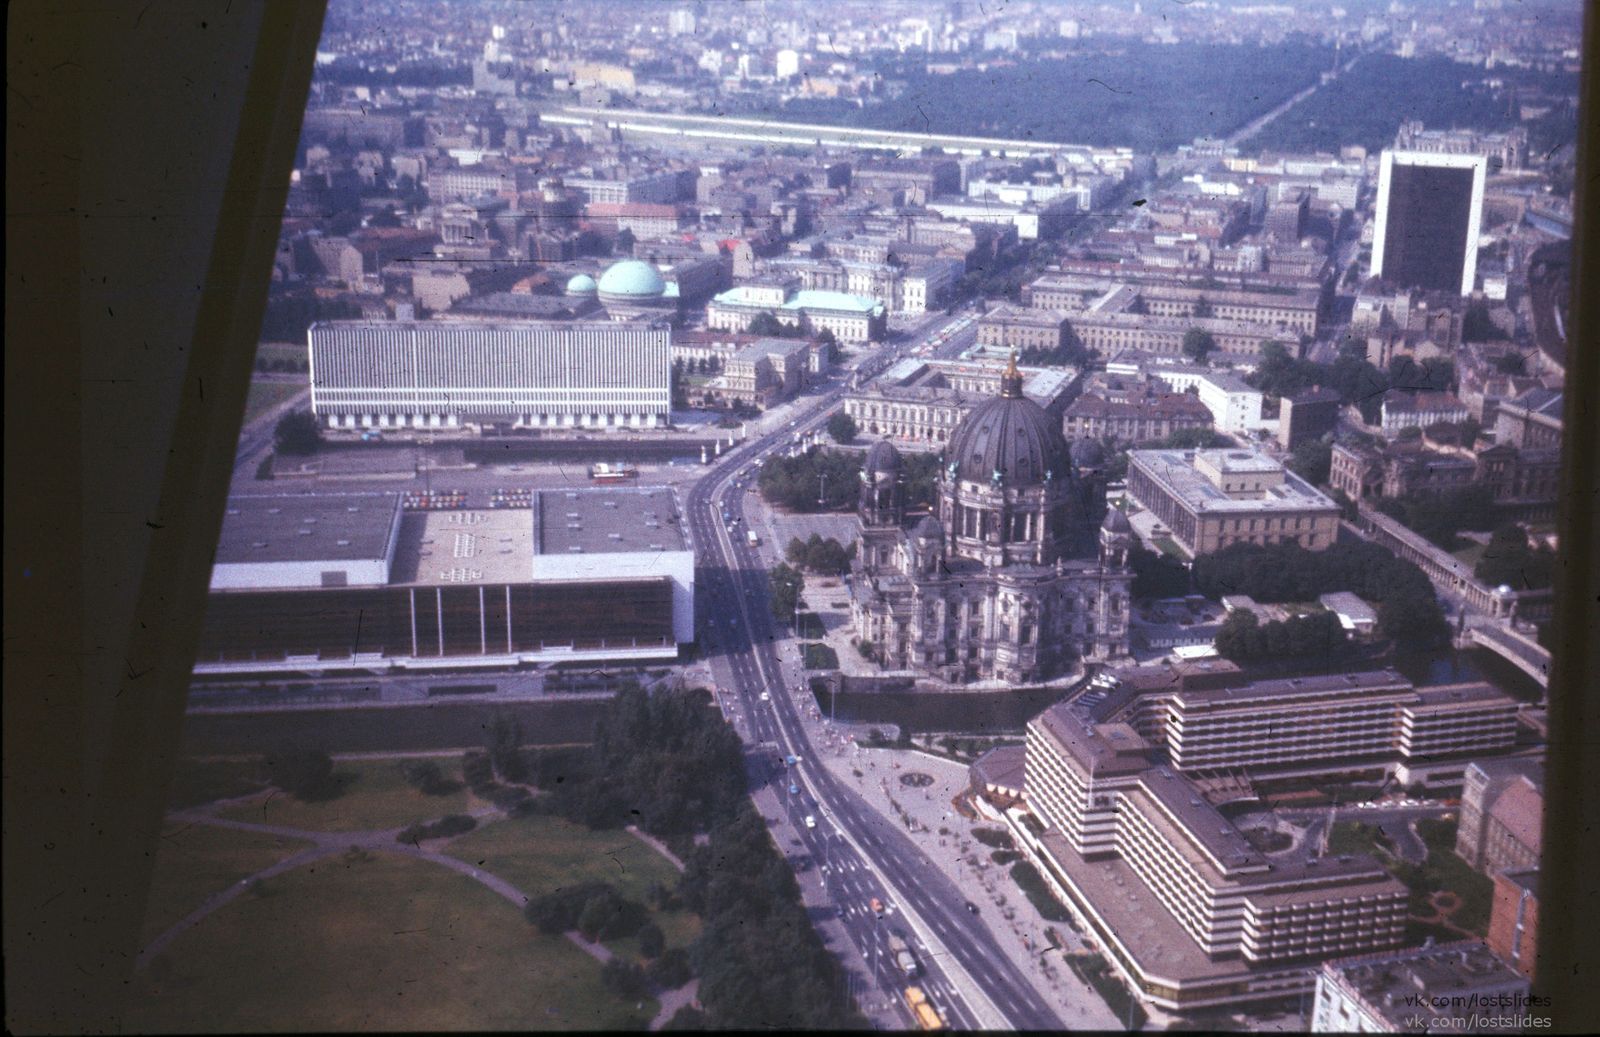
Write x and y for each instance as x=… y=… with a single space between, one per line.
x=477 y=769
x=624 y=979
x=1027 y=877
x=426 y=777
x=997 y=838
x=558 y=911
x=608 y=916
x=450 y=824
x=305 y=774
x=651 y=940
x=671 y=970
x=506 y=797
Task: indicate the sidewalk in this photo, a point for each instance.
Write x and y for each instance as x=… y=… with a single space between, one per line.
x=1015 y=923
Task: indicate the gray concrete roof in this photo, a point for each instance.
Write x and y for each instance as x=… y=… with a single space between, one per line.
x=592 y=521
x=307 y=528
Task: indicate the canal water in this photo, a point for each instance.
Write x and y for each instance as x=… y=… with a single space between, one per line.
x=1007 y=712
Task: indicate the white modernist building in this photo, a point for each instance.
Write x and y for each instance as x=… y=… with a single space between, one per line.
x=1430 y=207
x=312 y=582
x=525 y=374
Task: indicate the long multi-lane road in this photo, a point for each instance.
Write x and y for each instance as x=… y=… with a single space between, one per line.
x=967 y=975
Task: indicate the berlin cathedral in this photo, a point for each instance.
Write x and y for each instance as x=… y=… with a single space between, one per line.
x=1007 y=580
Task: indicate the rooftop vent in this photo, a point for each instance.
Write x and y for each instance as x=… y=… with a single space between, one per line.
x=305 y=532
x=233 y=511
x=576 y=549
x=352 y=509
x=274 y=511
x=259 y=543
x=614 y=536
x=344 y=543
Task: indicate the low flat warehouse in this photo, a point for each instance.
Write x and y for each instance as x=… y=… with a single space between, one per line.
x=524 y=374
x=375 y=581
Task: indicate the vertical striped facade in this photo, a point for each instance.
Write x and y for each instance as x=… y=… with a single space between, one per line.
x=395 y=374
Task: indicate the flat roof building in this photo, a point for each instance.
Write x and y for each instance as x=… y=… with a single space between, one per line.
x=376 y=581
x=1430 y=206
x=1187 y=910
x=434 y=374
x=1453 y=988
x=1209 y=499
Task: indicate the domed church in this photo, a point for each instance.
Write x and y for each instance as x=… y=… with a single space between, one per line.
x=1007 y=580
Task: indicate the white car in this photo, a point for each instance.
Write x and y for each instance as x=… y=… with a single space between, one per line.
x=811 y=821
x=766 y=696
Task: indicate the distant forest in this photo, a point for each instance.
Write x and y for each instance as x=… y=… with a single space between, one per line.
x=1367 y=105
x=1145 y=96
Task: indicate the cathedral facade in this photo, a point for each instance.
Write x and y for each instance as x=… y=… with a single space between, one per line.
x=1009 y=578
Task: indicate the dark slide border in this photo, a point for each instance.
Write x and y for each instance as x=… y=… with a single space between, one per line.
x=122 y=404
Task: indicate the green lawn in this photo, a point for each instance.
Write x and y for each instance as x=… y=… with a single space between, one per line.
x=374 y=795
x=1446 y=871
x=383 y=944
x=1470 y=554
x=266 y=395
x=1354 y=837
x=543 y=853
x=193 y=861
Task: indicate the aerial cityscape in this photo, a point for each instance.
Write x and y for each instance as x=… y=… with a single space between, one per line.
x=841 y=515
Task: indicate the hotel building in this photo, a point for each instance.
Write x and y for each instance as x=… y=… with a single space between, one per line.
x=1186 y=909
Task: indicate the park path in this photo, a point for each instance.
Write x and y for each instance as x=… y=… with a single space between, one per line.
x=329 y=844
x=656 y=845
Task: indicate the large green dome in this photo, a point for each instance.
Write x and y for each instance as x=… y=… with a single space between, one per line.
x=632 y=278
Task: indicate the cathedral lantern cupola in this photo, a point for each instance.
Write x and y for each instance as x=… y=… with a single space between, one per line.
x=882 y=500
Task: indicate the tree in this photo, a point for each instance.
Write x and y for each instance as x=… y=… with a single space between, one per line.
x=672 y=969
x=297 y=433
x=786 y=584
x=505 y=748
x=1477 y=326
x=830 y=344
x=842 y=427
x=624 y=243
x=624 y=979
x=426 y=777
x=1312 y=461
x=651 y=940
x=1236 y=638
x=305 y=774
x=1202 y=308
x=1157 y=575
x=1198 y=343
x=264 y=469
x=1509 y=561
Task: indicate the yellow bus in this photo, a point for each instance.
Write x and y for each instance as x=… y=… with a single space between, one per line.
x=922 y=1010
